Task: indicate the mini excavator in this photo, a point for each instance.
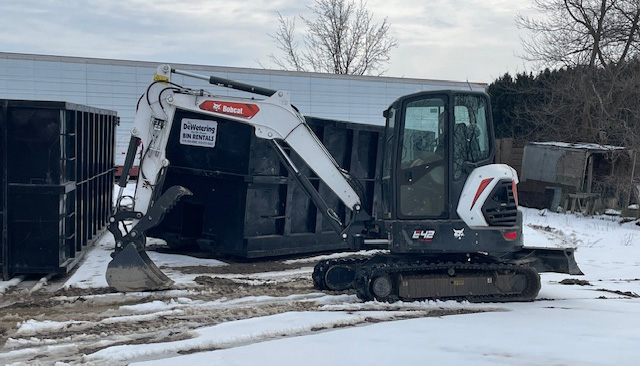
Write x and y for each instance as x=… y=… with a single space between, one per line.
x=448 y=216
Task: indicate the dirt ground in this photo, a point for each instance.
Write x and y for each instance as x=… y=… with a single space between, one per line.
x=78 y=322
x=86 y=312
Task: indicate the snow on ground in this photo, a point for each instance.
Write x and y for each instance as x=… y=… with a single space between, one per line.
x=242 y=332
x=575 y=327
x=318 y=258
x=530 y=334
x=91 y=273
x=594 y=324
x=607 y=252
x=5 y=285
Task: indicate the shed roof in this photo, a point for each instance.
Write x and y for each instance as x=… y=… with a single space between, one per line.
x=580 y=146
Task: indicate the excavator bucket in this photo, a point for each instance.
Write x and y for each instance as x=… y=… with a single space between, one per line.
x=133 y=270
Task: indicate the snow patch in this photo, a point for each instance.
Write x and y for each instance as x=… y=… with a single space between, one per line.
x=240 y=332
x=6 y=285
x=318 y=258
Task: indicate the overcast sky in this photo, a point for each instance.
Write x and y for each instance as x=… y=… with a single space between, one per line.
x=474 y=40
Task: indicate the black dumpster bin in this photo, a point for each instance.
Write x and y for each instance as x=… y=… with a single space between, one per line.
x=57 y=182
x=245 y=204
x=42 y=227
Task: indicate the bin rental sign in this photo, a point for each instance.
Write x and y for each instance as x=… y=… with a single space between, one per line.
x=197 y=132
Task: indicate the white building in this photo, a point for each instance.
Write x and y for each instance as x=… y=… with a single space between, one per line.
x=117 y=85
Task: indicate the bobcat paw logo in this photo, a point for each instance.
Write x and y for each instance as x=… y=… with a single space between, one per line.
x=458 y=234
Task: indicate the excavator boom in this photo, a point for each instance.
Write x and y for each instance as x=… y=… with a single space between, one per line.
x=273 y=118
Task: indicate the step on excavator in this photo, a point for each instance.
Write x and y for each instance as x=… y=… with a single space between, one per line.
x=446 y=214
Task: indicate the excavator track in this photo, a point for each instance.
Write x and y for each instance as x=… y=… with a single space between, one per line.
x=336 y=274
x=474 y=282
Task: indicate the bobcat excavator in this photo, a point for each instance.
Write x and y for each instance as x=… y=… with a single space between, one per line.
x=449 y=217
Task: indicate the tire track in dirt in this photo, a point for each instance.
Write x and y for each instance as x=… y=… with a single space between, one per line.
x=68 y=325
x=77 y=322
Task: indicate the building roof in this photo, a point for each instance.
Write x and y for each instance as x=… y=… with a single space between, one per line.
x=243 y=70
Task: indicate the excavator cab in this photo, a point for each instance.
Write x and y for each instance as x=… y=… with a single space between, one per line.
x=433 y=141
x=450 y=215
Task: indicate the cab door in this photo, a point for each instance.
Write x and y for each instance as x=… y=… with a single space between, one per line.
x=422 y=168
x=472 y=137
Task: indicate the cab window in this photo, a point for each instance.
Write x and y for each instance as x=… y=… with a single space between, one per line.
x=470 y=132
x=422 y=174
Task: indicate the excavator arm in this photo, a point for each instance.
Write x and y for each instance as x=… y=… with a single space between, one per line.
x=273 y=118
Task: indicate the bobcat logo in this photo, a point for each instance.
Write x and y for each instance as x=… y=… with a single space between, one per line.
x=458 y=234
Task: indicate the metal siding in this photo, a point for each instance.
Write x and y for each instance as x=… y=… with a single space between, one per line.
x=117 y=85
x=20 y=87
x=540 y=163
x=571 y=168
x=21 y=63
x=554 y=165
x=99 y=68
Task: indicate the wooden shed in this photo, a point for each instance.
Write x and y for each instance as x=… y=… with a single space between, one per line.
x=585 y=177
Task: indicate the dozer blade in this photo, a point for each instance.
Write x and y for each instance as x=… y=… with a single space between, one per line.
x=133 y=270
x=559 y=260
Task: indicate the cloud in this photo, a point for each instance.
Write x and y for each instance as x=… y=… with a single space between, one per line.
x=439 y=39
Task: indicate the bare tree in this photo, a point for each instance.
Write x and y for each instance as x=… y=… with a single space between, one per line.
x=341 y=38
x=593 y=94
x=593 y=97
x=583 y=32
x=580 y=104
